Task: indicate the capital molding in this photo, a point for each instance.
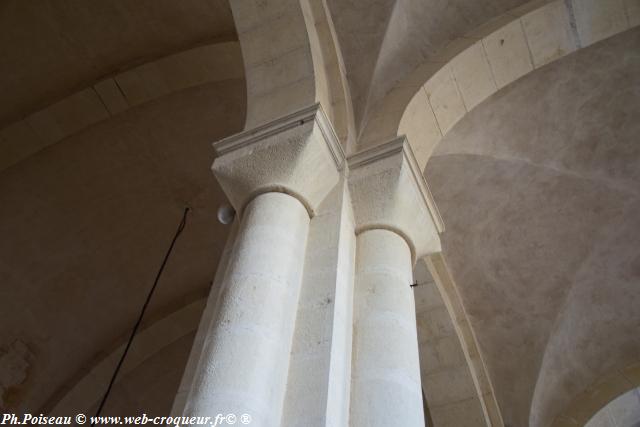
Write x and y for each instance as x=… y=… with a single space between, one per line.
x=298 y=154
x=388 y=191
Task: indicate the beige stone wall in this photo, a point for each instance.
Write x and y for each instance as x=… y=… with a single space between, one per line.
x=447 y=382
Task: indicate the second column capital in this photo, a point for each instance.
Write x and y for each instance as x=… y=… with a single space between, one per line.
x=388 y=191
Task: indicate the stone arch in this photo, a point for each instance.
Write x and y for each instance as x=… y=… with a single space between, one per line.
x=437 y=94
x=197 y=66
x=288 y=71
x=598 y=395
x=624 y=410
x=275 y=84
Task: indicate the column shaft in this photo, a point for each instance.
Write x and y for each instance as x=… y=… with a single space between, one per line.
x=386 y=387
x=244 y=363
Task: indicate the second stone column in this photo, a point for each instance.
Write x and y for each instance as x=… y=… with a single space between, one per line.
x=396 y=222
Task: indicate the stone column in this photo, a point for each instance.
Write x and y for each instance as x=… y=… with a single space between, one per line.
x=275 y=176
x=396 y=222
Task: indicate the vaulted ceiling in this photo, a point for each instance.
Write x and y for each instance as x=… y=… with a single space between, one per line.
x=539 y=189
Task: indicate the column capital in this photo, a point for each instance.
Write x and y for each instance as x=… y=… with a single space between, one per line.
x=298 y=154
x=389 y=192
